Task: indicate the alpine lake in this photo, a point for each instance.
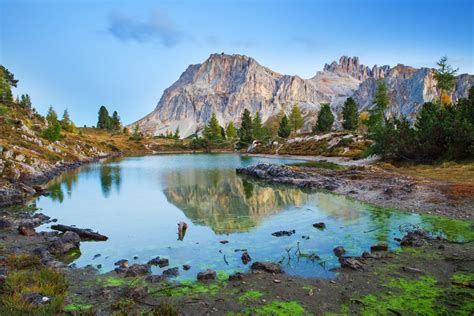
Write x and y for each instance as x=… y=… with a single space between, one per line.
x=138 y=202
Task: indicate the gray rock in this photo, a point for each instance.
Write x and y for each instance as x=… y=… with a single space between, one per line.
x=36 y=298
x=137 y=270
x=208 y=275
x=339 y=251
x=67 y=242
x=172 y=272
x=267 y=267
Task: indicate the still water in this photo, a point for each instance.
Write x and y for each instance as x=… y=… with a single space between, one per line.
x=138 y=202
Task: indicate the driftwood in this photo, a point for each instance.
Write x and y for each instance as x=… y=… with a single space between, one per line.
x=83 y=233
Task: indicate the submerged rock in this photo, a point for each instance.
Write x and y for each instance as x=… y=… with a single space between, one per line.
x=161 y=262
x=186 y=267
x=172 y=272
x=282 y=233
x=246 y=258
x=267 y=267
x=415 y=238
x=339 y=251
x=207 y=275
x=320 y=226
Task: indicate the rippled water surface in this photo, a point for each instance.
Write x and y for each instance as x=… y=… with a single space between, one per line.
x=137 y=203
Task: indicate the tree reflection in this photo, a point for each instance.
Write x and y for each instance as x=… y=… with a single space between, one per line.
x=110 y=175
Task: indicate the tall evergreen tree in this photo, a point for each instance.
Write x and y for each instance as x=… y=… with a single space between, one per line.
x=104 y=119
x=51 y=116
x=25 y=101
x=284 y=130
x=445 y=80
x=115 y=123
x=231 y=132
x=296 y=120
x=212 y=130
x=66 y=122
x=350 y=115
x=246 y=129
x=176 y=133
x=376 y=115
x=325 y=119
x=258 y=130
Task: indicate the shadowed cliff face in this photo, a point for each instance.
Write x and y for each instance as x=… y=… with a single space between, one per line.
x=228 y=84
x=228 y=203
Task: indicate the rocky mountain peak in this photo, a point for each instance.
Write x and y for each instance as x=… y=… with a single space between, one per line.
x=352 y=67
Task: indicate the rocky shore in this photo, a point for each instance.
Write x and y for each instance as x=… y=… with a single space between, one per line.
x=16 y=192
x=372 y=185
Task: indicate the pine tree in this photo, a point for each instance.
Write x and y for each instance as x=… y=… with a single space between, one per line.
x=51 y=116
x=258 y=130
x=376 y=115
x=445 y=78
x=325 y=119
x=115 y=123
x=246 y=129
x=176 y=133
x=212 y=131
x=25 y=102
x=66 y=122
x=231 y=132
x=296 y=120
x=350 y=115
x=104 y=119
x=284 y=130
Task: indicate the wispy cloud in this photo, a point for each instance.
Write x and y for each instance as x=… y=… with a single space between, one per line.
x=158 y=28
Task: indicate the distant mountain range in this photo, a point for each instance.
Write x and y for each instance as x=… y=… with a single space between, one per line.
x=227 y=84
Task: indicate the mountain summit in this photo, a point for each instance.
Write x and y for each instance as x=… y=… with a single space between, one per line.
x=227 y=84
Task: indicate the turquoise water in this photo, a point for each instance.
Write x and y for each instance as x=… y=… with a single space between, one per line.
x=138 y=202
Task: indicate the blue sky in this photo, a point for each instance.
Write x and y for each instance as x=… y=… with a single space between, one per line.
x=80 y=54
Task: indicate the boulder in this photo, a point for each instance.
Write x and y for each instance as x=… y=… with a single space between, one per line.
x=67 y=242
x=339 y=251
x=246 y=257
x=161 y=262
x=236 y=276
x=267 y=267
x=320 y=225
x=415 y=238
x=26 y=230
x=122 y=263
x=379 y=247
x=172 y=272
x=154 y=278
x=353 y=263
x=137 y=270
x=186 y=267
x=207 y=275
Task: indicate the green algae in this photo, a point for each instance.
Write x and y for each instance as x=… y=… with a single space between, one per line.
x=452 y=229
x=463 y=278
x=409 y=296
x=113 y=281
x=250 y=295
x=77 y=307
x=279 y=308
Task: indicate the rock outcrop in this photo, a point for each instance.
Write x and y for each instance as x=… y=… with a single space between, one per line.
x=227 y=84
